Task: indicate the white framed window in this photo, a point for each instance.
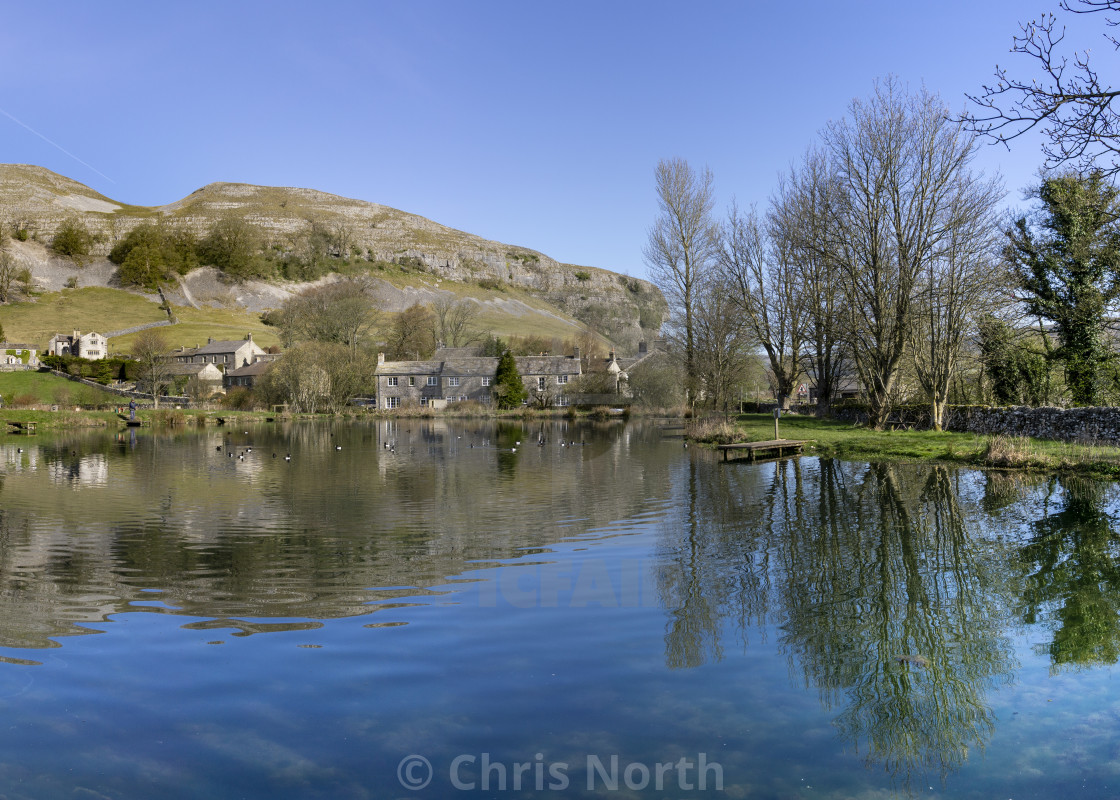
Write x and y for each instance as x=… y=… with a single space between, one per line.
x=462 y=398
x=563 y=400
x=540 y=383
x=449 y=399
x=561 y=379
x=392 y=402
x=391 y=381
x=452 y=381
x=411 y=380
x=433 y=380
x=423 y=401
x=486 y=381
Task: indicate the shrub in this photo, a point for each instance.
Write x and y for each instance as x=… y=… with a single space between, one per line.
x=583 y=275
x=22 y=235
x=73 y=240
x=493 y=284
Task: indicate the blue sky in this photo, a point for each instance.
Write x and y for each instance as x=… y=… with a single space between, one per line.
x=533 y=123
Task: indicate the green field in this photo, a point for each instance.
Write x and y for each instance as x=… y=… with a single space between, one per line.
x=105 y=310
x=844 y=440
x=42 y=388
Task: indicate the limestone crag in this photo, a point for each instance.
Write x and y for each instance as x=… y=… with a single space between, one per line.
x=624 y=308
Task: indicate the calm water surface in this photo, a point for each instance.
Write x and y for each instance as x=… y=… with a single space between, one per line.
x=606 y=614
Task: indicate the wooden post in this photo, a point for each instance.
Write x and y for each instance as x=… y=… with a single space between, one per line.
x=777 y=413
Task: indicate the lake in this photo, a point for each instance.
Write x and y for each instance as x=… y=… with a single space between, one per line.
x=421 y=608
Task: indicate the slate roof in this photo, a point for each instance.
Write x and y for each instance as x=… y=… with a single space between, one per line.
x=254 y=369
x=216 y=348
x=547 y=365
x=175 y=368
x=409 y=368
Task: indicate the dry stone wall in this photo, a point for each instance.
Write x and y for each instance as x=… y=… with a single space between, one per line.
x=1091 y=425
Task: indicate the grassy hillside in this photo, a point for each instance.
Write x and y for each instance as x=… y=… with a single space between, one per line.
x=512 y=312
x=300 y=234
x=43 y=388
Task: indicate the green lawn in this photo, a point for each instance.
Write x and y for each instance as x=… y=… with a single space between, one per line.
x=844 y=440
x=43 y=388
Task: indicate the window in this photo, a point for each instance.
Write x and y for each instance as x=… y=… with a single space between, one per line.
x=452 y=381
x=392 y=402
x=563 y=400
x=449 y=399
x=462 y=398
x=432 y=380
x=423 y=401
x=411 y=380
x=561 y=378
x=391 y=381
x=486 y=381
x=540 y=383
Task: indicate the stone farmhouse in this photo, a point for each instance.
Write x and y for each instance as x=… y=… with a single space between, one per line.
x=451 y=378
x=226 y=355
x=92 y=346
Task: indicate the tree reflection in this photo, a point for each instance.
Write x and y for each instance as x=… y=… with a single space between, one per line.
x=1073 y=564
x=862 y=565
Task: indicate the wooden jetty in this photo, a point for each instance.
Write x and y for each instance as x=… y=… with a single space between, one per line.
x=16 y=426
x=776 y=447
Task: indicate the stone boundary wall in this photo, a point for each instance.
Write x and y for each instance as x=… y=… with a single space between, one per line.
x=125 y=331
x=170 y=399
x=1096 y=425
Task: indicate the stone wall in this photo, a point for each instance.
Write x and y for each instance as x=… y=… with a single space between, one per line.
x=1087 y=425
x=1092 y=425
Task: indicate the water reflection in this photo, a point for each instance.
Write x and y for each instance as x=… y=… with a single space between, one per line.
x=890 y=599
x=895 y=593
x=219 y=525
x=1072 y=561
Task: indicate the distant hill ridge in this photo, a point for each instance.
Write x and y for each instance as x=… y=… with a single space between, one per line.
x=621 y=307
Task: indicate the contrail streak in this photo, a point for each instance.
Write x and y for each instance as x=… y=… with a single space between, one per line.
x=55 y=144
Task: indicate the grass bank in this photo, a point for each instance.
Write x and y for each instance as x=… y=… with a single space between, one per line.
x=844 y=440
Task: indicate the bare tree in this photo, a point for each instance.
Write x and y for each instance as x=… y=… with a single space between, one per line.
x=1069 y=104
x=344 y=312
x=681 y=249
x=799 y=216
x=958 y=286
x=901 y=164
x=455 y=320
x=758 y=272
x=410 y=336
x=150 y=349
x=721 y=343
x=10 y=277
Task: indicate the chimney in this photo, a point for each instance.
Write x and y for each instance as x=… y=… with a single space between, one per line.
x=209 y=340
x=248 y=337
x=77 y=335
x=380 y=358
x=575 y=353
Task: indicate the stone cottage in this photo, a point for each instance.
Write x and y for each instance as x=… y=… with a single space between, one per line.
x=226 y=355
x=451 y=378
x=92 y=346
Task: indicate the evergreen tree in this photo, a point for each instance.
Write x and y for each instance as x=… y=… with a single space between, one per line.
x=509 y=390
x=1067 y=264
